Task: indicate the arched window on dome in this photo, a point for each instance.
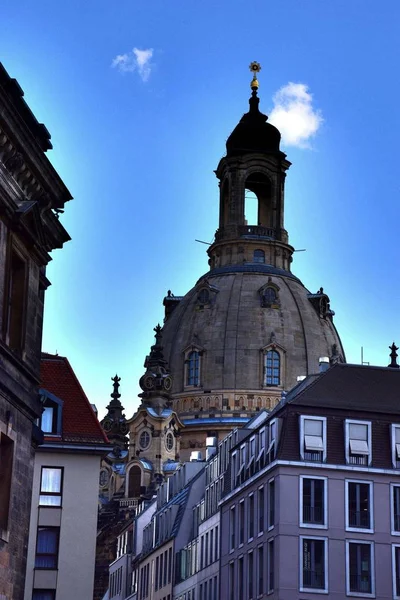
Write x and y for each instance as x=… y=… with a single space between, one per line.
x=259 y=256
x=272 y=368
x=193 y=368
x=134 y=481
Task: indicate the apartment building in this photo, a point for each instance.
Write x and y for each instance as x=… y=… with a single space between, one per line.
x=63 y=522
x=313 y=499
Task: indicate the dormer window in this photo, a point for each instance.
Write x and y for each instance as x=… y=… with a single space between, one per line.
x=396 y=446
x=358 y=442
x=272 y=368
x=204 y=296
x=313 y=438
x=51 y=418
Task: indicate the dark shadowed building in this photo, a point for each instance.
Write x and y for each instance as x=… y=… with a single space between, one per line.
x=31 y=197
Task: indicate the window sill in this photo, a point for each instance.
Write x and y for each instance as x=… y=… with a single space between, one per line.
x=313 y=526
x=360 y=530
x=313 y=590
x=396 y=533
x=360 y=594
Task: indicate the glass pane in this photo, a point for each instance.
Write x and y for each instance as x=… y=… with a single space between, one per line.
x=51 y=480
x=47 y=419
x=358 y=432
x=313 y=427
x=49 y=500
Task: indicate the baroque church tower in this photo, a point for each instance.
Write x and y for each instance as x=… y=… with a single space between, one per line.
x=249 y=329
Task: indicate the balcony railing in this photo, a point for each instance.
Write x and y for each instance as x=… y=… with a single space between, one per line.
x=358 y=459
x=313 y=456
x=360 y=583
x=313 y=514
x=257 y=230
x=314 y=579
x=360 y=519
x=132 y=503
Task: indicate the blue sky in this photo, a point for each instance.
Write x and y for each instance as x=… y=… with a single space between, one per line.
x=136 y=144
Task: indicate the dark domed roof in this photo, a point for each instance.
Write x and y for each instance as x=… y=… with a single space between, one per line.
x=253 y=133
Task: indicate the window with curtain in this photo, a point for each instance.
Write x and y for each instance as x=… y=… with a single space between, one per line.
x=51 y=486
x=272 y=368
x=47 y=548
x=47 y=419
x=193 y=368
x=43 y=595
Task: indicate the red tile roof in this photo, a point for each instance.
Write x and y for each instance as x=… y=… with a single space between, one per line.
x=79 y=423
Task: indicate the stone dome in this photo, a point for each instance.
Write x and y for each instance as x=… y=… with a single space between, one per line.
x=253 y=133
x=227 y=318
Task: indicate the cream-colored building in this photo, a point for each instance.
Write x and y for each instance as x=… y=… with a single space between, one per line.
x=63 y=526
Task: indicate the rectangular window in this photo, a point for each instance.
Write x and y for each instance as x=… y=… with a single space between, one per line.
x=6 y=470
x=43 y=595
x=260 y=509
x=232 y=581
x=241 y=577
x=206 y=551
x=250 y=515
x=215 y=588
x=271 y=503
x=47 y=548
x=272 y=430
x=313 y=438
x=16 y=302
x=261 y=449
x=395 y=508
x=396 y=446
x=216 y=553
x=202 y=565
x=271 y=566
x=359 y=571
x=260 y=570
x=157 y=572
x=232 y=528
x=51 y=486
x=396 y=570
x=313 y=505
x=313 y=568
x=241 y=523
x=250 y=575
x=211 y=553
x=169 y=565
x=358 y=442
x=359 y=505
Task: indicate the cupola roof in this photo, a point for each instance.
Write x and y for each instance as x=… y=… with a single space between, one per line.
x=253 y=133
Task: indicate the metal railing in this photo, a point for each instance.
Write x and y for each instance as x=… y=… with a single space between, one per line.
x=360 y=583
x=257 y=230
x=313 y=456
x=314 y=579
x=360 y=519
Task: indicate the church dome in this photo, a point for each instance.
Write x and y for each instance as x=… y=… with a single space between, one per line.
x=253 y=133
x=238 y=318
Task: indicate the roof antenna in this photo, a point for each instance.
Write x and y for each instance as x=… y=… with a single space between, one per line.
x=362 y=357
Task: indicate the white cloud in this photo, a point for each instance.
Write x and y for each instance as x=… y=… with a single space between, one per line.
x=137 y=60
x=294 y=115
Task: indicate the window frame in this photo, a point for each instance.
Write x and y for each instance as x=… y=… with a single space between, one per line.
x=322 y=419
x=392 y=514
x=371 y=544
x=303 y=588
x=393 y=428
x=273 y=352
x=301 y=502
x=196 y=369
x=396 y=595
x=349 y=422
x=250 y=516
x=51 y=494
x=232 y=528
x=271 y=544
x=271 y=482
x=348 y=527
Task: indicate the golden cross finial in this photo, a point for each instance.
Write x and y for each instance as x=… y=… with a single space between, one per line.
x=255 y=68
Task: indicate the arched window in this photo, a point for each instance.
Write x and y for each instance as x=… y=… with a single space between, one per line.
x=272 y=368
x=135 y=481
x=259 y=256
x=204 y=296
x=193 y=368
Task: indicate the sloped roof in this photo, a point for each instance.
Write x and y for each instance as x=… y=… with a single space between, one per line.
x=350 y=387
x=79 y=423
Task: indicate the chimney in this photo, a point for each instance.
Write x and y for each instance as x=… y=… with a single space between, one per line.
x=211 y=447
x=195 y=455
x=323 y=364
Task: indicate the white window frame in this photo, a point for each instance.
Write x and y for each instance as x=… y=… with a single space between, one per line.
x=234 y=469
x=349 y=422
x=371 y=507
x=393 y=428
x=232 y=519
x=313 y=525
x=270 y=542
x=192 y=386
x=241 y=506
x=302 y=435
x=302 y=588
x=255 y=514
x=269 y=482
x=360 y=594
x=394 y=546
x=392 y=515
